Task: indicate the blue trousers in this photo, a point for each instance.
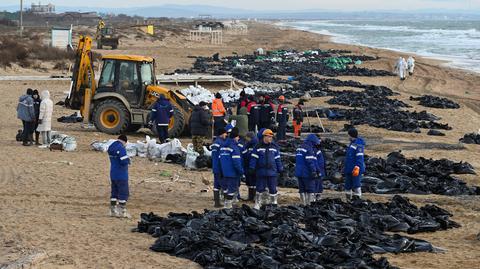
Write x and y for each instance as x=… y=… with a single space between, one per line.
x=282 y=130
x=250 y=180
x=219 y=183
x=306 y=184
x=352 y=182
x=119 y=190
x=162 y=133
x=232 y=184
x=267 y=182
x=318 y=185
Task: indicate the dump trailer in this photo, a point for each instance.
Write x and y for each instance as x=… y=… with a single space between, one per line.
x=127 y=89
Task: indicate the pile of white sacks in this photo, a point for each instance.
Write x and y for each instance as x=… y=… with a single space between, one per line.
x=68 y=143
x=145 y=149
x=199 y=94
x=153 y=151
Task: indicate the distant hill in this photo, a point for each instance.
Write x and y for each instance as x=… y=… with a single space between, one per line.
x=187 y=11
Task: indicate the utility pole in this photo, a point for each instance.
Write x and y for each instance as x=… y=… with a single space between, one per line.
x=21 y=18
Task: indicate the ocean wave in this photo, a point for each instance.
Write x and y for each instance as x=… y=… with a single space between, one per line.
x=401 y=28
x=461 y=48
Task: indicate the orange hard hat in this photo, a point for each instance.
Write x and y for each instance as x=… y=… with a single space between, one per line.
x=281 y=98
x=267 y=132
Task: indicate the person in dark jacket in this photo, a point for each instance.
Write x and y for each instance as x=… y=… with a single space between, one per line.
x=242 y=102
x=26 y=113
x=162 y=112
x=36 y=106
x=266 y=112
x=253 y=111
x=200 y=121
x=266 y=165
x=251 y=142
x=306 y=169
x=119 y=162
x=321 y=166
x=231 y=164
x=298 y=119
x=354 y=165
x=282 y=119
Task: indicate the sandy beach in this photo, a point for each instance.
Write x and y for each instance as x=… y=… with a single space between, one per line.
x=59 y=210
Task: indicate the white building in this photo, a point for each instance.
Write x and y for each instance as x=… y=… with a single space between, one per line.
x=42 y=9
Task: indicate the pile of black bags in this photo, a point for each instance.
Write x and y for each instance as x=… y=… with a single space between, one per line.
x=395 y=174
x=327 y=234
x=265 y=69
x=388 y=117
x=472 y=138
x=435 y=101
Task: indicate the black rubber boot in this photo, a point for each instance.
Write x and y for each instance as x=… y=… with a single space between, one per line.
x=251 y=194
x=216 y=199
x=37 y=135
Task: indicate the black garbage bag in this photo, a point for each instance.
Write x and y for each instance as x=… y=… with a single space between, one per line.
x=203 y=161
x=472 y=138
x=327 y=234
x=435 y=133
x=436 y=102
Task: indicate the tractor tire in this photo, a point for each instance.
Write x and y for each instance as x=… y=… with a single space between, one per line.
x=176 y=126
x=111 y=116
x=133 y=128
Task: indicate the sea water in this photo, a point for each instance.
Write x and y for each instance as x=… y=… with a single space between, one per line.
x=458 y=42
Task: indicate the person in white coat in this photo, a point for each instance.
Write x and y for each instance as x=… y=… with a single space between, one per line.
x=401 y=68
x=411 y=65
x=45 y=117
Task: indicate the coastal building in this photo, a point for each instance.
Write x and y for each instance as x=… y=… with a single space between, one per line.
x=40 y=9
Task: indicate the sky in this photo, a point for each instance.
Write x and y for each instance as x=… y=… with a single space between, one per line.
x=288 y=5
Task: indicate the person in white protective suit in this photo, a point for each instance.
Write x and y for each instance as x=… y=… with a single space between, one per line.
x=401 y=68
x=411 y=65
x=45 y=118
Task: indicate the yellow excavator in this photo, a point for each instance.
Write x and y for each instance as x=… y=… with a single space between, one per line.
x=126 y=91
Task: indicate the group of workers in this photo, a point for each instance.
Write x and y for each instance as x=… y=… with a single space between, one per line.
x=36 y=116
x=402 y=66
x=256 y=159
x=253 y=157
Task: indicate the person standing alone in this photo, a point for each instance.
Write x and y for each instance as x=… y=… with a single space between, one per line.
x=354 y=165
x=119 y=162
x=162 y=112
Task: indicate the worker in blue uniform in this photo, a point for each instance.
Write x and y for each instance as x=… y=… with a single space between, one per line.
x=354 y=165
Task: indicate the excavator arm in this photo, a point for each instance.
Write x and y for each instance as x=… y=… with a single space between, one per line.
x=83 y=84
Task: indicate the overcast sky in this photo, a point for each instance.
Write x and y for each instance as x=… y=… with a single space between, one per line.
x=276 y=4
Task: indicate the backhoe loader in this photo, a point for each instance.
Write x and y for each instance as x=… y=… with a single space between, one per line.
x=126 y=91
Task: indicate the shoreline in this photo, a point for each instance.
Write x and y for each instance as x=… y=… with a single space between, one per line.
x=442 y=59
